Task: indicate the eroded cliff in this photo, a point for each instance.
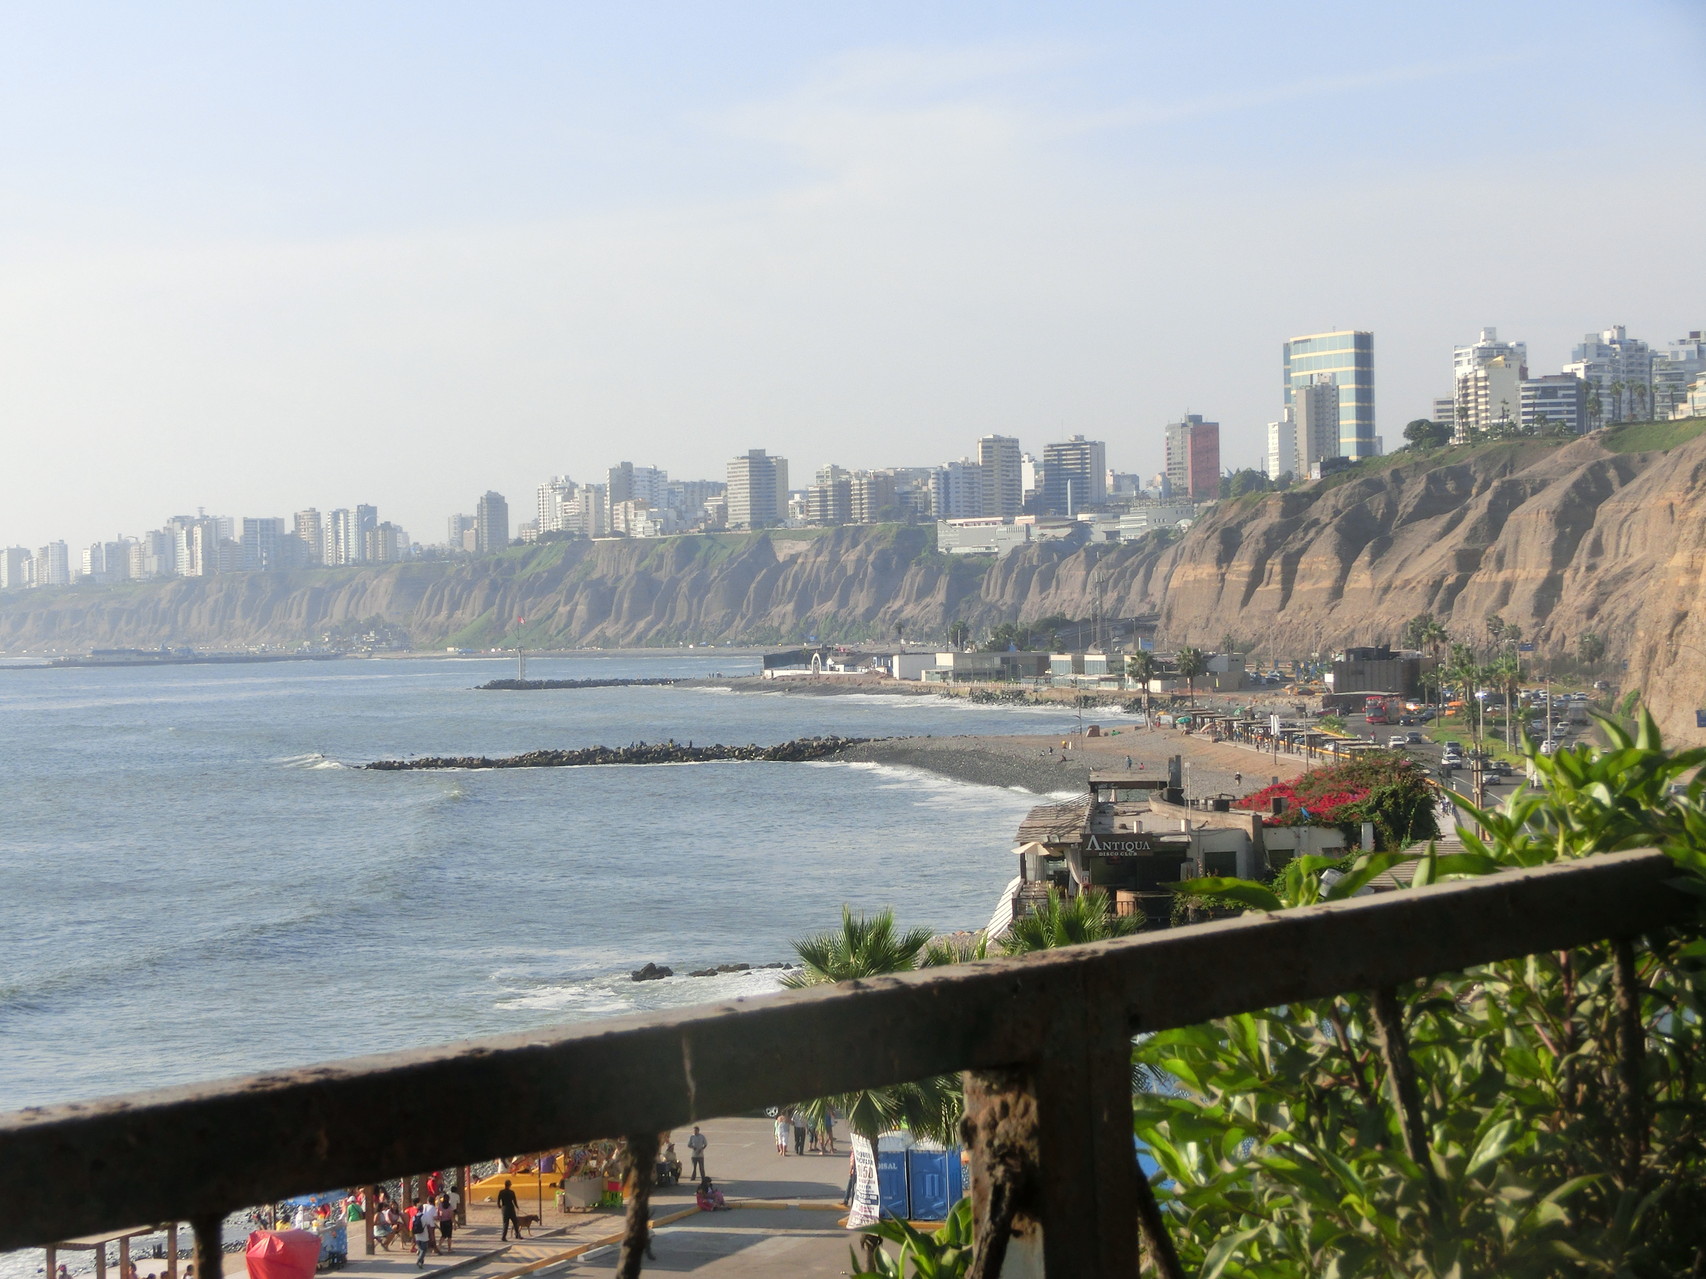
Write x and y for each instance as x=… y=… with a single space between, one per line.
x=1558 y=539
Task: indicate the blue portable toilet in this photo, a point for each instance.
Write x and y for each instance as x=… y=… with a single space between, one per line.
x=892 y=1193
x=957 y=1187
x=927 y=1179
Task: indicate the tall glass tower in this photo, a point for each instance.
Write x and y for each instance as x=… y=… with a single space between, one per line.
x=1348 y=357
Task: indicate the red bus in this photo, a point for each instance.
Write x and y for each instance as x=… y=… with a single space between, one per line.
x=1379 y=708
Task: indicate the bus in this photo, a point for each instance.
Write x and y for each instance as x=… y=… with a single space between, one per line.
x=1381 y=708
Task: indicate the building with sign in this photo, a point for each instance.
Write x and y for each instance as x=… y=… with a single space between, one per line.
x=1133 y=834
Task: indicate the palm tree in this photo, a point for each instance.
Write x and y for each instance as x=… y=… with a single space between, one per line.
x=1595 y=406
x=1068 y=921
x=1141 y=667
x=1435 y=637
x=870 y=947
x=1506 y=675
x=1617 y=400
x=1190 y=663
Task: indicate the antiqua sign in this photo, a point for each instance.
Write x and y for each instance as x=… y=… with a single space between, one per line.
x=1124 y=845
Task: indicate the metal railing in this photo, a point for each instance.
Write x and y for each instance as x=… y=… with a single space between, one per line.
x=1046 y=1037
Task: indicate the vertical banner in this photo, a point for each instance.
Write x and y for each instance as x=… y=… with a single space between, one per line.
x=866 y=1207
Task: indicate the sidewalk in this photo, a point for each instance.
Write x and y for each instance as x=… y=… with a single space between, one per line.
x=741 y=1159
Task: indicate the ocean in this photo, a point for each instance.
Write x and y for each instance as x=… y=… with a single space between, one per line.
x=199 y=884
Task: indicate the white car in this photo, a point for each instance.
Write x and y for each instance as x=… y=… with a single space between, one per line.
x=1397 y=742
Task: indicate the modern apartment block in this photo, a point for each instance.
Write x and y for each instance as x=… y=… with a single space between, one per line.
x=1317 y=412
x=491 y=523
x=1347 y=356
x=1075 y=476
x=263 y=544
x=1555 y=400
x=1487 y=378
x=1001 y=476
x=1282 y=447
x=16 y=568
x=52 y=566
x=1619 y=372
x=958 y=490
x=1192 y=449
x=1677 y=369
x=311 y=532
x=758 y=490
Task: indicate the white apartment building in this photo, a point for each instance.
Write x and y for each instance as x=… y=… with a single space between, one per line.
x=550 y=499
x=958 y=490
x=1316 y=414
x=52 y=566
x=1487 y=378
x=1675 y=370
x=1619 y=373
x=17 y=567
x=758 y=490
x=1282 y=446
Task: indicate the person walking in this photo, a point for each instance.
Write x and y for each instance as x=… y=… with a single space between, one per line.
x=423 y=1237
x=507 y=1206
x=697 y=1143
x=782 y=1133
x=852 y=1176
x=446 y=1222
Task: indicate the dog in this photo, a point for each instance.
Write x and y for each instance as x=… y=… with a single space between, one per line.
x=526 y=1221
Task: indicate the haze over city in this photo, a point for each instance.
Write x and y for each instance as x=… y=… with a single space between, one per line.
x=267 y=258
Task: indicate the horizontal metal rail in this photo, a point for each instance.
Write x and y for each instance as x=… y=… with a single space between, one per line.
x=196 y=1153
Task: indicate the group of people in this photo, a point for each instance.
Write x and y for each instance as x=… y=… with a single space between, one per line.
x=428 y=1223
x=807 y=1133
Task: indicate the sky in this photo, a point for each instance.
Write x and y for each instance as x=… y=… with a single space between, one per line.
x=260 y=257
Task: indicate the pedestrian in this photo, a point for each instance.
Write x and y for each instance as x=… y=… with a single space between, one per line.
x=799 y=1134
x=782 y=1133
x=429 y=1213
x=828 y=1131
x=446 y=1222
x=507 y=1206
x=852 y=1175
x=696 y=1144
x=422 y=1232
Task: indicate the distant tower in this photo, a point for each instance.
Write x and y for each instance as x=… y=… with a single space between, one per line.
x=1317 y=411
x=1347 y=357
x=1193 y=458
x=1002 y=478
x=758 y=490
x=491 y=524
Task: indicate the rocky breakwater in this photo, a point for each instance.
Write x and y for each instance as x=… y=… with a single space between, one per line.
x=534 y=685
x=800 y=750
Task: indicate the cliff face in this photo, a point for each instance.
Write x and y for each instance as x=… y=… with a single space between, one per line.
x=1557 y=539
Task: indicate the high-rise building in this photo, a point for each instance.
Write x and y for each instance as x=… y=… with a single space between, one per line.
x=1192 y=449
x=1619 y=372
x=830 y=500
x=551 y=497
x=491 y=523
x=1347 y=356
x=52 y=565
x=1282 y=447
x=262 y=544
x=646 y=485
x=871 y=494
x=366 y=520
x=311 y=532
x=1315 y=410
x=1676 y=368
x=758 y=490
x=958 y=490
x=1002 y=476
x=1075 y=476
x=1487 y=379
x=16 y=563
x=386 y=543
x=1557 y=400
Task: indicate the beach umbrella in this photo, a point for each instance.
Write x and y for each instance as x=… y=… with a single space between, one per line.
x=1033 y=847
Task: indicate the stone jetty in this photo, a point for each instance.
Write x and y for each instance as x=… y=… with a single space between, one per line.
x=533 y=685
x=800 y=750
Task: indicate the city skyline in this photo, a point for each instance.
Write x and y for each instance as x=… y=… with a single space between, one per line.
x=406 y=255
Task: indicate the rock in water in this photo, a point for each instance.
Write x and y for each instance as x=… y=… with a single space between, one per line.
x=651 y=972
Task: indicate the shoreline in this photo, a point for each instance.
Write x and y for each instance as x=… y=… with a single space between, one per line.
x=1025 y=761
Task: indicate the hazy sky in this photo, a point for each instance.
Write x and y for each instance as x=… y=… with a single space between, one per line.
x=259 y=257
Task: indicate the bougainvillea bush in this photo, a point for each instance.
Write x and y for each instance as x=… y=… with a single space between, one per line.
x=1387 y=789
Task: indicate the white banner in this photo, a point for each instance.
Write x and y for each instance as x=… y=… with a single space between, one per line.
x=867 y=1207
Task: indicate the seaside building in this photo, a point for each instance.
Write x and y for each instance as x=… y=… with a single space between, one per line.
x=341 y=545
x=491 y=523
x=981 y=535
x=1676 y=369
x=1075 y=476
x=1001 y=476
x=957 y=490
x=1192 y=448
x=460 y=533
x=549 y=501
x=1282 y=447
x=311 y=532
x=52 y=566
x=1557 y=399
x=757 y=490
x=16 y=563
x=1316 y=411
x=872 y=496
x=830 y=500
x=1347 y=357
x=1619 y=372
x=263 y=544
